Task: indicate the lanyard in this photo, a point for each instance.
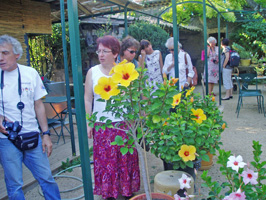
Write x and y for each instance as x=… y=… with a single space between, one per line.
x=20 y=104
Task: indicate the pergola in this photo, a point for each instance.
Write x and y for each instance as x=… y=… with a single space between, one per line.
x=77 y=9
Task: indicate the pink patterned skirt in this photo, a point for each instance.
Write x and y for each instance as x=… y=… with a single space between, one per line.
x=114 y=173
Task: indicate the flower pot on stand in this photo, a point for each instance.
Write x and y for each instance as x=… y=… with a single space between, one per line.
x=189 y=170
x=168 y=182
x=205 y=165
x=245 y=62
x=156 y=196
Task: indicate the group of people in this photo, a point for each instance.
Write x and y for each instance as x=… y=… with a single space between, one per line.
x=213 y=67
x=22 y=90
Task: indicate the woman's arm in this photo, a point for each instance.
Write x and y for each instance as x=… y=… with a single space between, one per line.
x=226 y=59
x=191 y=72
x=142 y=57
x=88 y=98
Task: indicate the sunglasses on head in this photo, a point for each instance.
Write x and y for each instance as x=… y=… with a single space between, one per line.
x=170 y=49
x=131 y=51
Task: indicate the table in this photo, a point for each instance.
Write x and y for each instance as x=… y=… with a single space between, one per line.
x=59 y=116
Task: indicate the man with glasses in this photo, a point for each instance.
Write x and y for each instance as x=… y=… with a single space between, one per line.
x=184 y=64
x=21 y=93
x=128 y=50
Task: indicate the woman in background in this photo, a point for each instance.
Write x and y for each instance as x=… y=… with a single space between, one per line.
x=114 y=173
x=227 y=70
x=213 y=67
x=129 y=48
x=153 y=61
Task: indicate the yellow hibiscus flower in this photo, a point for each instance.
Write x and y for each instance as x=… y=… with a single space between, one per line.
x=187 y=153
x=106 y=88
x=200 y=116
x=190 y=91
x=176 y=100
x=124 y=73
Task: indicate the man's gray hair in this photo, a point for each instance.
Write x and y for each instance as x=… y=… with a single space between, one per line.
x=212 y=39
x=17 y=48
x=170 y=43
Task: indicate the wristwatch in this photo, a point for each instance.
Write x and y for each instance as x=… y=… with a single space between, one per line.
x=46 y=133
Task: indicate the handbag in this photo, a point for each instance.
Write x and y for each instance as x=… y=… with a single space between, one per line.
x=26 y=141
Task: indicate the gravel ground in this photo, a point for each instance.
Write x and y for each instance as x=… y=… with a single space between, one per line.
x=237 y=137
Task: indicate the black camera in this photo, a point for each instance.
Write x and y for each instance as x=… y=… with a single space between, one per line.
x=214 y=61
x=13 y=128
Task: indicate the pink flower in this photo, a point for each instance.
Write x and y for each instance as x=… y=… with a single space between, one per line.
x=235 y=162
x=184 y=181
x=238 y=195
x=250 y=176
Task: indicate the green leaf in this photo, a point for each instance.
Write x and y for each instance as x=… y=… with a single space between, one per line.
x=131 y=150
x=156 y=119
x=205 y=157
x=113 y=143
x=124 y=150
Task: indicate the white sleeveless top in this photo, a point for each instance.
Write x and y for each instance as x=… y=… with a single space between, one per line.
x=97 y=105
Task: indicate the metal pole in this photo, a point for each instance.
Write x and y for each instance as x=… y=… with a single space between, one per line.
x=219 y=64
x=226 y=33
x=176 y=38
x=62 y=11
x=205 y=45
x=125 y=14
x=79 y=96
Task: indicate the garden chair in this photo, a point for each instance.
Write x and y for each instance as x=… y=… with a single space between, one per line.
x=244 y=91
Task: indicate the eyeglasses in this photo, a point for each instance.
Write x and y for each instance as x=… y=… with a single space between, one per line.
x=170 y=49
x=102 y=51
x=131 y=51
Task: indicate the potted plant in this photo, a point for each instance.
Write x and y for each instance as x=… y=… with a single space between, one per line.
x=245 y=56
x=145 y=112
x=260 y=68
x=195 y=125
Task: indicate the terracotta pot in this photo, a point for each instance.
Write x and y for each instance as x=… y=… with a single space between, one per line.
x=245 y=62
x=205 y=165
x=154 y=196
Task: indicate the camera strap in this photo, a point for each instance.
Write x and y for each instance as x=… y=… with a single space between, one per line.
x=20 y=104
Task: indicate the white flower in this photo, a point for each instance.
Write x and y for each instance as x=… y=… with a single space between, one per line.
x=184 y=181
x=235 y=162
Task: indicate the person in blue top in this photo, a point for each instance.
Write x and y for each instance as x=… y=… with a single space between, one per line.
x=128 y=51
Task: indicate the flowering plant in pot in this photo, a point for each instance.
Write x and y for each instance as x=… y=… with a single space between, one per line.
x=243 y=180
x=193 y=127
x=143 y=110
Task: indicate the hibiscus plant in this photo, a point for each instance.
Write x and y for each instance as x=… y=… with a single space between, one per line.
x=193 y=127
x=243 y=180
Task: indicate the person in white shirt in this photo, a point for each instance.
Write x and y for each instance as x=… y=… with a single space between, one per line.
x=184 y=63
x=20 y=97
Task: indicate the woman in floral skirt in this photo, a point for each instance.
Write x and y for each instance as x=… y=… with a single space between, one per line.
x=114 y=173
x=213 y=67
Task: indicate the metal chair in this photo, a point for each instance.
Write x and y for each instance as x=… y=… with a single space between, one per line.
x=245 y=92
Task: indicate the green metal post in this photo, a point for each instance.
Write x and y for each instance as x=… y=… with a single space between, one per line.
x=205 y=45
x=125 y=14
x=62 y=11
x=226 y=33
x=176 y=38
x=219 y=46
x=79 y=97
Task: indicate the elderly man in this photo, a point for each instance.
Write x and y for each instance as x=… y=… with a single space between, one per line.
x=20 y=96
x=184 y=64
